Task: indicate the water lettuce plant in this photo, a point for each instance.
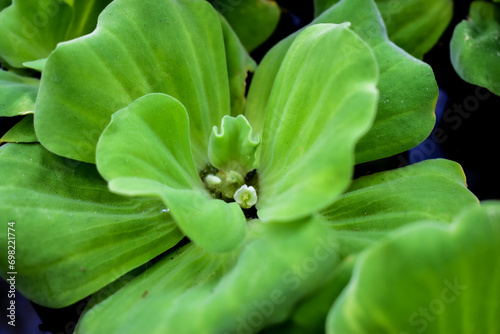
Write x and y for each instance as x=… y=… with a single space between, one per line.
x=475 y=46
x=154 y=182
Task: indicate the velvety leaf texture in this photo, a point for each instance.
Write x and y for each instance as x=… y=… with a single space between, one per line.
x=239 y=63
x=145 y=151
x=373 y=208
x=22 y=132
x=408 y=90
x=191 y=291
x=448 y=283
x=375 y=205
x=72 y=235
x=414 y=25
x=313 y=104
x=31 y=29
x=180 y=52
x=252 y=20
x=475 y=46
x=18 y=94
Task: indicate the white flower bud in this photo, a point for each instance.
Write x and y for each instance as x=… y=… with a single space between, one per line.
x=212 y=180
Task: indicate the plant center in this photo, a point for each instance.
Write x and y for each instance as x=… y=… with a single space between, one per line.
x=233 y=152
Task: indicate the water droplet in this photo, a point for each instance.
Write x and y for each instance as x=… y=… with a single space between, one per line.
x=165 y=210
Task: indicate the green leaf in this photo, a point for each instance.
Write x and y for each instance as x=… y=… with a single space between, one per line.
x=315 y=104
x=110 y=289
x=374 y=206
x=309 y=315
x=191 y=291
x=234 y=147
x=18 y=94
x=475 y=46
x=31 y=29
x=72 y=235
x=85 y=15
x=377 y=204
x=171 y=47
x=427 y=277
x=414 y=25
x=145 y=151
x=322 y=5
x=408 y=91
x=149 y=139
x=253 y=20
x=37 y=65
x=21 y=132
x=5 y=3
x=239 y=63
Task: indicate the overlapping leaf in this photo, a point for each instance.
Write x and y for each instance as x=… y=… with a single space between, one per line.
x=18 y=94
x=239 y=63
x=475 y=46
x=73 y=236
x=5 y=3
x=315 y=104
x=31 y=29
x=179 y=51
x=414 y=25
x=377 y=204
x=372 y=208
x=145 y=151
x=191 y=291
x=309 y=315
x=22 y=132
x=408 y=91
x=428 y=277
x=252 y=20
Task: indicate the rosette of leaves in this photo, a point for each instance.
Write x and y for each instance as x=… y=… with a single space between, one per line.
x=146 y=137
x=475 y=46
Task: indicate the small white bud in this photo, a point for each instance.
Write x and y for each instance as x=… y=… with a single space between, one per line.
x=245 y=196
x=212 y=180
